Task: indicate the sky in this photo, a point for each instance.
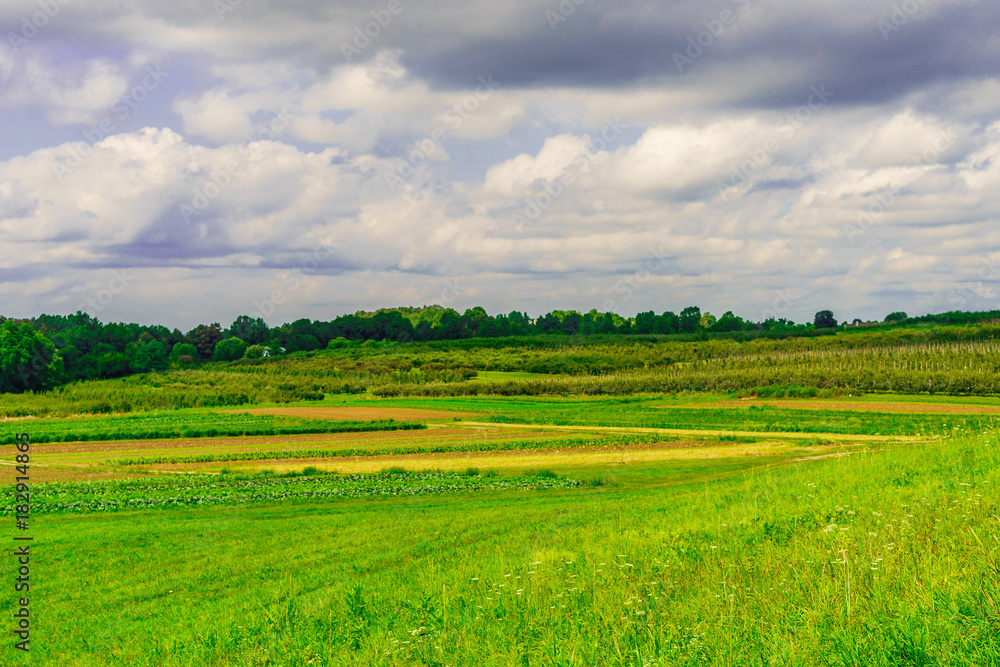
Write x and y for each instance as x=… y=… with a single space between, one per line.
x=188 y=162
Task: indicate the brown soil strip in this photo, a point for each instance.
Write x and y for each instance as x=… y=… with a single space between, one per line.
x=250 y=443
x=504 y=454
x=524 y=459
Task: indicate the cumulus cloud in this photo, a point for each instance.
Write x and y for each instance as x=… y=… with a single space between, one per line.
x=539 y=157
x=68 y=94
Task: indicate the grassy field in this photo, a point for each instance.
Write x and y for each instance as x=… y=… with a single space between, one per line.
x=181 y=424
x=575 y=531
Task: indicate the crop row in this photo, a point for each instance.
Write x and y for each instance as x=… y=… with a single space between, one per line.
x=762 y=419
x=208 y=490
x=963 y=360
x=187 y=426
x=495 y=446
x=955 y=368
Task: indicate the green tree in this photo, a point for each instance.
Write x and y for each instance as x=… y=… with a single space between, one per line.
x=645 y=323
x=690 y=317
x=147 y=355
x=253 y=331
x=28 y=360
x=113 y=365
x=229 y=349
x=825 y=320
x=205 y=337
x=183 y=350
x=729 y=322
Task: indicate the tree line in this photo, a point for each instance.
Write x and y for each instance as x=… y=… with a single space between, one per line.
x=49 y=350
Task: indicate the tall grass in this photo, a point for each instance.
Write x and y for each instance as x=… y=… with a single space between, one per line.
x=888 y=558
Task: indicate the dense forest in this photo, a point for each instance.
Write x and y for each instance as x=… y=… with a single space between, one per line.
x=51 y=350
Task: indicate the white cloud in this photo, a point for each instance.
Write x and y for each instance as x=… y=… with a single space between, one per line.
x=216 y=116
x=74 y=94
x=655 y=188
x=909 y=139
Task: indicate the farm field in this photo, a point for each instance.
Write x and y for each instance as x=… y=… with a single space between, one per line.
x=500 y=334
x=639 y=530
x=922 y=362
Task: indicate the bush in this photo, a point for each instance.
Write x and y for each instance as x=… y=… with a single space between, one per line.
x=181 y=350
x=254 y=352
x=229 y=349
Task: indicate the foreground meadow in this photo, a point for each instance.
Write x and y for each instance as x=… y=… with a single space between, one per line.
x=559 y=531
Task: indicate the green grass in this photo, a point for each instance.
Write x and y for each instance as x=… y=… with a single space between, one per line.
x=885 y=557
x=182 y=491
x=889 y=558
x=354 y=452
x=182 y=424
x=652 y=412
